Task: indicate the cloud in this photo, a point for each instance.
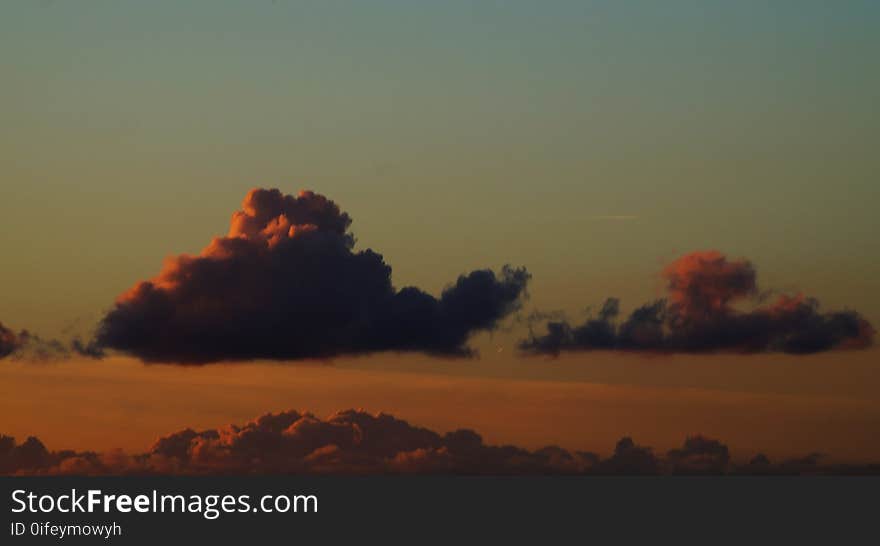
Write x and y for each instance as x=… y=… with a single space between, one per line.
x=27 y=346
x=358 y=442
x=630 y=458
x=699 y=455
x=347 y=442
x=350 y=441
x=29 y=456
x=8 y=341
x=286 y=283
x=700 y=315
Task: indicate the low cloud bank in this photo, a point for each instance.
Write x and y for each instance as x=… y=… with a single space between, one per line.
x=357 y=442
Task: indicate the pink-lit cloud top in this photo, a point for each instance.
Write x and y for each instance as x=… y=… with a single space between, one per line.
x=287 y=283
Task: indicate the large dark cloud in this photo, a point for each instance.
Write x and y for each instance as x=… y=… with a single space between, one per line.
x=357 y=442
x=700 y=314
x=286 y=283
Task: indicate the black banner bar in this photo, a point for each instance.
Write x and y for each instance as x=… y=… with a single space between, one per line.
x=457 y=510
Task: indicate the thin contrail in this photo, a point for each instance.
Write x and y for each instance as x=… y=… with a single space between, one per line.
x=619 y=217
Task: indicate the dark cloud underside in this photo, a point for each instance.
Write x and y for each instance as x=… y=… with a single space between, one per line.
x=287 y=283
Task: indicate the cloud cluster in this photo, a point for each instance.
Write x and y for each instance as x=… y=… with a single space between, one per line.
x=29 y=456
x=292 y=442
x=347 y=442
x=700 y=314
x=358 y=442
x=286 y=283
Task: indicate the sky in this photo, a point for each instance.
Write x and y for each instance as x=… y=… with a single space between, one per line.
x=591 y=142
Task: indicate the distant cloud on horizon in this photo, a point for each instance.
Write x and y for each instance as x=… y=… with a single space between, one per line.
x=359 y=442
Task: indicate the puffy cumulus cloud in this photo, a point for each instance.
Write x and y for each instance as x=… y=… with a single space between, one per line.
x=700 y=314
x=358 y=442
x=346 y=442
x=287 y=283
x=630 y=458
x=30 y=455
x=703 y=284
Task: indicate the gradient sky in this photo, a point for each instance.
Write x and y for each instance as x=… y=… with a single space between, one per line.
x=589 y=141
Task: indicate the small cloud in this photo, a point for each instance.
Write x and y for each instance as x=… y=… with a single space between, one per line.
x=29 y=347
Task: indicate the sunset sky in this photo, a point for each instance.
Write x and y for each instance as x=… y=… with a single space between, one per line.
x=593 y=143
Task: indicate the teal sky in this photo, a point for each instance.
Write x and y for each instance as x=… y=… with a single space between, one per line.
x=588 y=141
